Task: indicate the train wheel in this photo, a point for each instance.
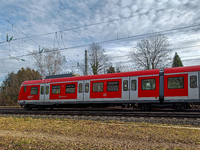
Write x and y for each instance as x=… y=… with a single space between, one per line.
x=27 y=107
x=187 y=106
x=41 y=108
x=124 y=106
x=179 y=106
x=145 y=107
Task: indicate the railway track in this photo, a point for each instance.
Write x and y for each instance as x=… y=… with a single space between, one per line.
x=192 y=114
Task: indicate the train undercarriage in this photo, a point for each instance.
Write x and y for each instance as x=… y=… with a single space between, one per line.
x=141 y=106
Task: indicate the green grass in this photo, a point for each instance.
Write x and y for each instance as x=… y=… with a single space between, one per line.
x=28 y=133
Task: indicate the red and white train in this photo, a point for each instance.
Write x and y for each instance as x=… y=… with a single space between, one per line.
x=177 y=87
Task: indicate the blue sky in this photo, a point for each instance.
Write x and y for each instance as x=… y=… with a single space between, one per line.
x=103 y=20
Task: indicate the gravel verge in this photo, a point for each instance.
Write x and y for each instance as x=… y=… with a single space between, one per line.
x=169 y=121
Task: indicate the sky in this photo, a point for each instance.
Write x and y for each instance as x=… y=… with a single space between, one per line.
x=117 y=25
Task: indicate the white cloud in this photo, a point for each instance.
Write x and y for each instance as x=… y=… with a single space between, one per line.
x=48 y=16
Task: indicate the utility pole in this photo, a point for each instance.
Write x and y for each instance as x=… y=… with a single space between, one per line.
x=86 y=63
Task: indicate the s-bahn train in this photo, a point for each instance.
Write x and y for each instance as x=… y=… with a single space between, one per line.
x=175 y=87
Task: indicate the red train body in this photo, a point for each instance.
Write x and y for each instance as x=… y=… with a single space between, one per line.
x=177 y=87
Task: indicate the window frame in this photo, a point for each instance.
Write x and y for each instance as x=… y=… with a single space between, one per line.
x=25 y=88
x=80 y=90
x=148 y=89
x=52 y=89
x=114 y=85
x=124 y=85
x=102 y=89
x=42 y=90
x=70 y=88
x=174 y=88
x=35 y=89
x=196 y=81
x=88 y=87
x=47 y=90
x=135 y=85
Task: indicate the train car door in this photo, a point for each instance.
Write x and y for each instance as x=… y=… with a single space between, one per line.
x=42 y=95
x=125 y=88
x=133 y=88
x=193 y=87
x=44 y=92
x=47 y=87
x=86 y=90
x=80 y=91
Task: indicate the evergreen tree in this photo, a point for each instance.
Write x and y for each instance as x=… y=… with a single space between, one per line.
x=10 y=86
x=177 y=61
x=111 y=69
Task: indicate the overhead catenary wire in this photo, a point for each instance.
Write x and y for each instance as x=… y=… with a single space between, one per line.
x=81 y=46
x=134 y=36
x=89 y=44
x=18 y=29
x=62 y=38
x=11 y=69
x=124 y=18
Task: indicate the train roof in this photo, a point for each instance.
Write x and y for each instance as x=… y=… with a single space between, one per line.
x=182 y=69
x=117 y=75
x=91 y=77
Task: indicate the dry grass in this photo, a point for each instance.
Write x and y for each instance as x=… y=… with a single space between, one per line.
x=28 y=133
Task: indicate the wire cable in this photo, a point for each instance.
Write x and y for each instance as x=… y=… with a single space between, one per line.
x=18 y=30
x=95 y=23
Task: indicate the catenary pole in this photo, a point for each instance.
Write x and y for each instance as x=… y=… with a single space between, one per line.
x=86 y=63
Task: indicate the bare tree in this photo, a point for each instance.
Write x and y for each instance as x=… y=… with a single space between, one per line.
x=82 y=67
x=152 y=52
x=48 y=62
x=97 y=58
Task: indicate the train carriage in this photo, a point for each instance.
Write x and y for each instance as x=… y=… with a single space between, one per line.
x=177 y=87
x=181 y=86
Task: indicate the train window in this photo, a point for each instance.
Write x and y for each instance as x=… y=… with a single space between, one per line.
x=56 y=89
x=80 y=88
x=176 y=83
x=98 y=87
x=193 y=81
x=125 y=85
x=24 y=88
x=34 y=90
x=70 y=88
x=86 y=87
x=113 y=86
x=149 y=84
x=42 y=90
x=133 y=85
x=47 y=89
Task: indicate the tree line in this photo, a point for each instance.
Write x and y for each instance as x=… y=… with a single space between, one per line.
x=9 y=89
x=149 y=53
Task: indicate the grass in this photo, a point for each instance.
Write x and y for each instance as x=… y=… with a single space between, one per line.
x=28 y=133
